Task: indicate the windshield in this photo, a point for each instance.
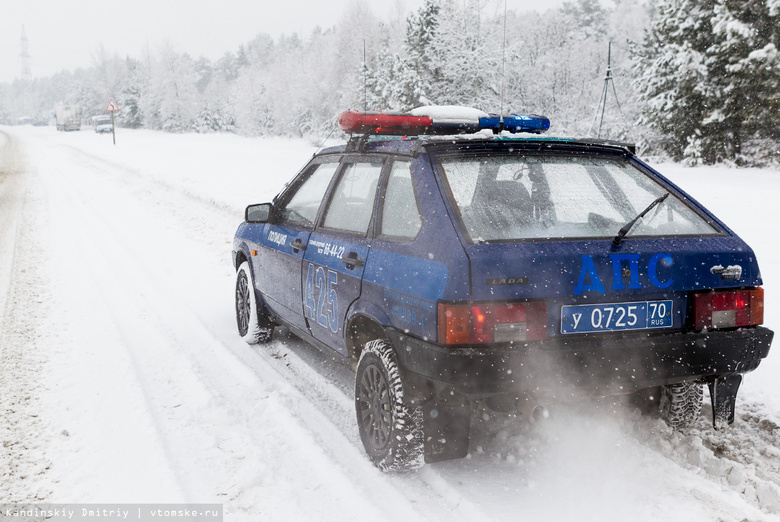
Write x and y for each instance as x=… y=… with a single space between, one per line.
x=526 y=196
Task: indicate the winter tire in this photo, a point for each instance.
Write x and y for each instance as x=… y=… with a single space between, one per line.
x=681 y=404
x=252 y=325
x=391 y=430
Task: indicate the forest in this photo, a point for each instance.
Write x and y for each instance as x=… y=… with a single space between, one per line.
x=697 y=81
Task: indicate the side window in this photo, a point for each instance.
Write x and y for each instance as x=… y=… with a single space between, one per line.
x=352 y=202
x=301 y=208
x=400 y=213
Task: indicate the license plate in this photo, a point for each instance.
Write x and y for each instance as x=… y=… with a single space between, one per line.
x=639 y=315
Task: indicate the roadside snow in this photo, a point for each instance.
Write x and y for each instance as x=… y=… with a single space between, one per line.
x=123 y=379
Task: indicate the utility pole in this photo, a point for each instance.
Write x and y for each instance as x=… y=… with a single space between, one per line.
x=24 y=60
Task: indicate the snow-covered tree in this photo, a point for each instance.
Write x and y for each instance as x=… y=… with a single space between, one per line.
x=421 y=31
x=745 y=69
x=708 y=73
x=129 y=97
x=170 y=102
x=589 y=17
x=447 y=52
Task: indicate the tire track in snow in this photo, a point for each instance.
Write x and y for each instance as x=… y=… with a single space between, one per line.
x=24 y=432
x=298 y=372
x=219 y=383
x=90 y=311
x=11 y=177
x=194 y=196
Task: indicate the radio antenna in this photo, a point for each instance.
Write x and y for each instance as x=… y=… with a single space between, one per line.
x=365 y=82
x=503 y=69
x=602 y=106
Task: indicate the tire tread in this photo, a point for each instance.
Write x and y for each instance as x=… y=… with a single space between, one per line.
x=681 y=405
x=406 y=451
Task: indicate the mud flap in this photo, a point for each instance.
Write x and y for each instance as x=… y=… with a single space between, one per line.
x=446 y=429
x=723 y=392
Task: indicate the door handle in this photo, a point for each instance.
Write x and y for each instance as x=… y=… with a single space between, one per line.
x=298 y=244
x=353 y=261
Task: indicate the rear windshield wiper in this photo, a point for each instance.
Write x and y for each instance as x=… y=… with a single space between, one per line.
x=623 y=231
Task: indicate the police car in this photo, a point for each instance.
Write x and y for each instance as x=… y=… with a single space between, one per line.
x=452 y=259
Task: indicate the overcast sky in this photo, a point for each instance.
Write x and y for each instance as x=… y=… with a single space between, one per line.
x=64 y=34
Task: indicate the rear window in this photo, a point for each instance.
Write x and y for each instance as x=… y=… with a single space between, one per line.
x=513 y=197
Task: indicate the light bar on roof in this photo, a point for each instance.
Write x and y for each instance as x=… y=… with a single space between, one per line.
x=439 y=119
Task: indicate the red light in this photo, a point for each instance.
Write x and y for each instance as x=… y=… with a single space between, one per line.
x=513 y=313
x=723 y=301
x=481 y=324
x=489 y=323
x=536 y=318
x=728 y=308
x=383 y=123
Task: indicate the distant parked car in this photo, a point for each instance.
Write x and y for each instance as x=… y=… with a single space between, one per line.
x=451 y=264
x=102 y=123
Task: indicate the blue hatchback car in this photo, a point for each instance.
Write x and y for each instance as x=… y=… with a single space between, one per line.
x=450 y=261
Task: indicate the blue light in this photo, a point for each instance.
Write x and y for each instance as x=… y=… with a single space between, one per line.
x=516 y=123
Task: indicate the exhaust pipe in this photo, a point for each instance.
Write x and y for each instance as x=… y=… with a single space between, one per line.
x=531 y=410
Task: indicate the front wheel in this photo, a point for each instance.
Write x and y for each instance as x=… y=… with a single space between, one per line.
x=391 y=430
x=252 y=324
x=681 y=404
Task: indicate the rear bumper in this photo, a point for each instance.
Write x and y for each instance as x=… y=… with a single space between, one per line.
x=595 y=364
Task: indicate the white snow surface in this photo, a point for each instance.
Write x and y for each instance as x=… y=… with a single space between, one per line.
x=123 y=379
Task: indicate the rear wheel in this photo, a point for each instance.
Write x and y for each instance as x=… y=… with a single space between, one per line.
x=253 y=325
x=391 y=430
x=681 y=404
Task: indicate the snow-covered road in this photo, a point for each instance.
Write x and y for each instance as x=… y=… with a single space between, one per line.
x=122 y=378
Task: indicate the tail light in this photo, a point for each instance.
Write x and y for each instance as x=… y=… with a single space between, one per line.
x=728 y=308
x=492 y=323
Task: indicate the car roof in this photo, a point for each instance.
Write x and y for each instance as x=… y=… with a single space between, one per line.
x=412 y=145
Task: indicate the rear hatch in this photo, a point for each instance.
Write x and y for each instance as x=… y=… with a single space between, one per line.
x=606 y=242
x=592 y=286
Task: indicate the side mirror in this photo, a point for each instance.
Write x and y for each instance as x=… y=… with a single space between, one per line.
x=258 y=213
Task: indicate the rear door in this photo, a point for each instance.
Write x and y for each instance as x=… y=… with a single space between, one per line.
x=338 y=249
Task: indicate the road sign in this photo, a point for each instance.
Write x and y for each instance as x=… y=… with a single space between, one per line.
x=112 y=108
